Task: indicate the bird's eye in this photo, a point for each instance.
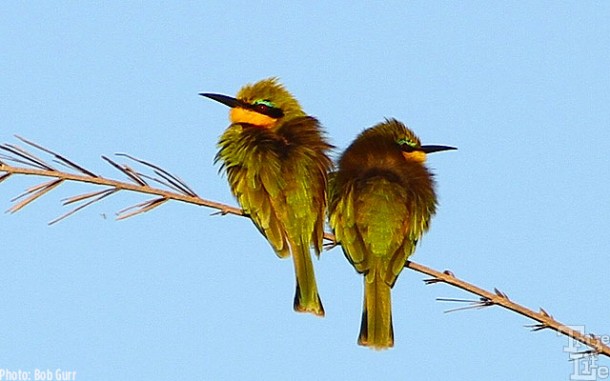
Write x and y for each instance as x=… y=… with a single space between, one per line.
x=262 y=108
x=266 y=107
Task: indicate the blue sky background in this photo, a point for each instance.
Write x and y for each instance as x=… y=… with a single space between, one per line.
x=522 y=89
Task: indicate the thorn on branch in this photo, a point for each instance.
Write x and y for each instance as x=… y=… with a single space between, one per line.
x=84 y=196
x=438 y=280
x=26 y=157
x=4 y=176
x=501 y=294
x=544 y=313
x=536 y=327
x=126 y=171
x=34 y=193
x=141 y=208
x=60 y=158
x=100 y=195
x=172 y=181
x=583 y=354
x=137 y=175
x=477 y=304
x=433 y=281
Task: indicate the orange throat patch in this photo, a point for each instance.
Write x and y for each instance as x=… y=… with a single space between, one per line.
x=417 y=156
x=244 y=116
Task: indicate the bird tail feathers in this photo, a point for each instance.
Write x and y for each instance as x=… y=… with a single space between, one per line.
x=376 y=330
x=306 y=298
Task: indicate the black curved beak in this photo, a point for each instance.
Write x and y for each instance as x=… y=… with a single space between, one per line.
x=431 y=149
x=224 y=99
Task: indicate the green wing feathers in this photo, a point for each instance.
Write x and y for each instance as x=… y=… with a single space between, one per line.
x=279 y=179
x=381 y=200
x=371 y=221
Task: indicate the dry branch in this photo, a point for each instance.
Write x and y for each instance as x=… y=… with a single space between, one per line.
x=544 y=319
x=180 y=191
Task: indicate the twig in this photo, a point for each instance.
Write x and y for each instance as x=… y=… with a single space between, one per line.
x=60 y=158
x=119 y=185
x=100 y=195
x=544 y=319
x=38 y=167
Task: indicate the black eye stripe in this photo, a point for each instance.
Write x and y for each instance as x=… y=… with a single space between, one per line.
x=275 y=113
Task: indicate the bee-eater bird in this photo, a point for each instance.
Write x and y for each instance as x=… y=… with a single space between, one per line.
x=381 y=200
x=275 y=158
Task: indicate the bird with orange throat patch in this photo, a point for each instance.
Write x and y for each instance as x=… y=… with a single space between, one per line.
x=276 y=160
x=381 y=200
